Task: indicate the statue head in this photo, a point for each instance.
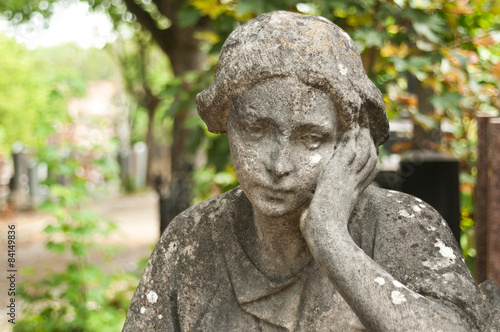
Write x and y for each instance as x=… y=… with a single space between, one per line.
x=287 y=87
x=311 y=49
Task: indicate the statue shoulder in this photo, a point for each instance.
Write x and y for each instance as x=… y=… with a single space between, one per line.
x=195 y=220
x=384 y=218
x=185 y=264
x=394 y=203
x=194 y=231
x=414 y=243
x=406 y=225
x=398 y=210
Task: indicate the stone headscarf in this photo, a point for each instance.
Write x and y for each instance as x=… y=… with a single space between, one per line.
x=311 y=48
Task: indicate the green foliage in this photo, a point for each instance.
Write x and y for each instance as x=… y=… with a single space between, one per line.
x=467 y=239
x=35 y=87
x=20 y=11
x=83 y=297
x=73 y=67
x=28 y=96
x=218 y=175
x=142 y=65
x=210 y=183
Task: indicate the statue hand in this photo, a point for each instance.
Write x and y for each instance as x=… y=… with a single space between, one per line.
x=352 y=167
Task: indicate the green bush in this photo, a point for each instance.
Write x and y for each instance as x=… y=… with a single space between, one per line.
x=82 y=297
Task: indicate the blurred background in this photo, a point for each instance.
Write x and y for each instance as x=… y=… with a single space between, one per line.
x=101 y=145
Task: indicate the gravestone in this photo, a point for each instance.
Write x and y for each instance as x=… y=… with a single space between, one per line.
x=19 y=182
x=139 y=160
x=33 y=181
x=18 y=159
x=124 y=162
x=433 y=177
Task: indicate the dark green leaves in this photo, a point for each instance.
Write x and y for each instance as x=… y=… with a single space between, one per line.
x=427 y=24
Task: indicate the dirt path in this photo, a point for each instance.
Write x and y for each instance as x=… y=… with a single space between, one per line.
x=137 y=220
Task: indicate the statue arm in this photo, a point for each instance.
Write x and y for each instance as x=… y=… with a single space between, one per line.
x=381 y=302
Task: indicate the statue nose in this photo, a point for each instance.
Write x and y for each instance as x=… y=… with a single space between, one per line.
x=279 y=162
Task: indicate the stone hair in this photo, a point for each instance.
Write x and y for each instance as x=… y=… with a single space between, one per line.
x=312 y=49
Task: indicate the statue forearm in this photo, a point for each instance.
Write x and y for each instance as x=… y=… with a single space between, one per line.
x=380 y=301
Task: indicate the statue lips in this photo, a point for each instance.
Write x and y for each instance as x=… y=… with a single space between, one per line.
x=276 y=193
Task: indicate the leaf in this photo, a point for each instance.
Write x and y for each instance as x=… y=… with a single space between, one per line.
x=370 y=37
x=50 y=229
x=448 y=101
x=224 y=179
x=428 y=25
x=188 y=16
x=86 y=216
x=79 y=249
x=195 y=138
x=423 y=120
x=56 y=247
x=208 y=36
x=248 y=8
x=212 y=8
x=218 y=153
x=420 y=66
x=173 y=109
x=425 y=30
x=85 y=230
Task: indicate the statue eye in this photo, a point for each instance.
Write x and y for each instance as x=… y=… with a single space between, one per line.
x=255 y=131
x=311 y=141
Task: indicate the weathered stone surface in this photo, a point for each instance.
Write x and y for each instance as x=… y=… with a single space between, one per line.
x=305 y=244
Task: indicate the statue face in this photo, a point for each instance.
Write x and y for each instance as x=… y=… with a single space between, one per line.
x=281 y=133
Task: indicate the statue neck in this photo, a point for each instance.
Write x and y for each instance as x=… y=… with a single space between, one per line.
x=275 y=245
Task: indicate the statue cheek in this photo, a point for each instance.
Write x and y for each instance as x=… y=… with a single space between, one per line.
x=246 y=161
x=313 y=162
x=315 y=159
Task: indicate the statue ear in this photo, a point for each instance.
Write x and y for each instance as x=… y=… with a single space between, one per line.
x=225 y=110
x=376 y=118
x=363 y=117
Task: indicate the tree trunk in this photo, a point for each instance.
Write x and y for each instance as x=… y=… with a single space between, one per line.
x=424 y=139
x=150 y=142
x=184 y=53
x=184 y=57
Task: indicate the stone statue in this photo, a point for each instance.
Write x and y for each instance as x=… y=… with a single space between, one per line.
x=305 y=244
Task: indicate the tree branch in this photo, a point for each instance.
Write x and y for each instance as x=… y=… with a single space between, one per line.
x=168 y=8
x=164 y=38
